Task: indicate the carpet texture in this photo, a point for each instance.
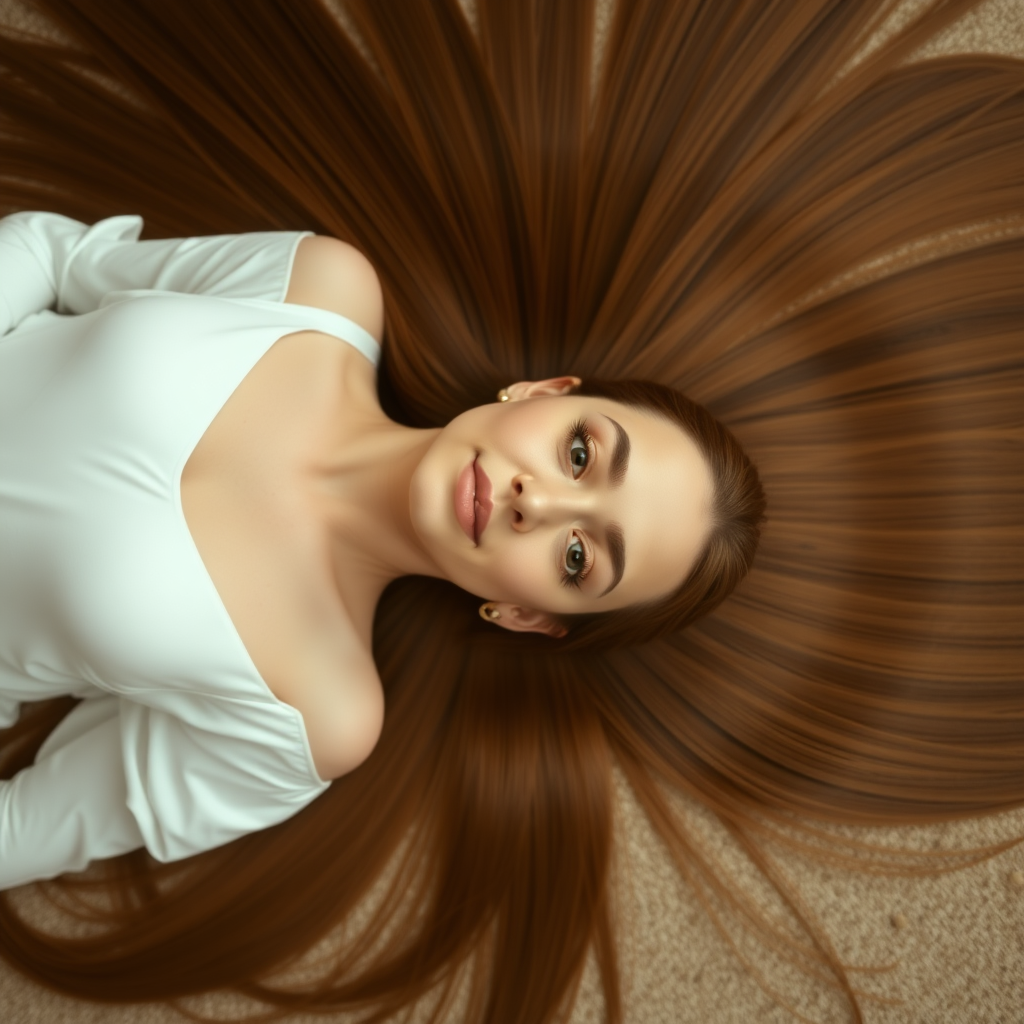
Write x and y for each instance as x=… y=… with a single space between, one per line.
x=955 y=941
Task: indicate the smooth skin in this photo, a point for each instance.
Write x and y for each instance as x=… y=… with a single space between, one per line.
x=549 y=457
x=305 y=501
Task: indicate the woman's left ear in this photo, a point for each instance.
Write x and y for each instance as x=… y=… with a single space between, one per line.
x=537 y=388
x=523 y=620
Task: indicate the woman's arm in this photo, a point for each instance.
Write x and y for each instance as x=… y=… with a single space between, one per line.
x=70 y=806
x=48 y=261
x=116 y=775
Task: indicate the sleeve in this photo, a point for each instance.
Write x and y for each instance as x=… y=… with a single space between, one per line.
x=49 y=261
x=116 y=775
x=70 y=807
x=204 y=774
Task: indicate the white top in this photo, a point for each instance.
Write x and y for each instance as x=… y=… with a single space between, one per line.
x=179 y=745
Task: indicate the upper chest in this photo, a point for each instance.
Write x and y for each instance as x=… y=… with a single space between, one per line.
x=267 y=554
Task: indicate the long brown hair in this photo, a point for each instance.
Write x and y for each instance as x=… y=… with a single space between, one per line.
x=815 y=241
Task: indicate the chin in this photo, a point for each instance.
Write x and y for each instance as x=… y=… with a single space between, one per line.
x=425 y=511
x=432 y=516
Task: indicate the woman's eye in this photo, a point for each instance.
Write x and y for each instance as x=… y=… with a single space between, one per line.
x=575 y=558
x=578 y=455
x=579 y=442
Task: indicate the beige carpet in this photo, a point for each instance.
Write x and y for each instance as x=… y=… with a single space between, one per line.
x=958 y=938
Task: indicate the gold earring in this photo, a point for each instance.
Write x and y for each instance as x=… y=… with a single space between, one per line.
x=503 y=395
x=488 y=612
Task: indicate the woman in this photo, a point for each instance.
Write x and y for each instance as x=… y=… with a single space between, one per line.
x=304 y=502
x=726 y=213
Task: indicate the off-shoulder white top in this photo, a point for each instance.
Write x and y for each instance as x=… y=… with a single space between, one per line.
x=115 y=357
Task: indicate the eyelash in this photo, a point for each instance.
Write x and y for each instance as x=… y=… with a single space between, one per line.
x=568 y=579
x=577 y=429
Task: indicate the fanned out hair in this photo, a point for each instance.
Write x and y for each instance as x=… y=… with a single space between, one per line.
x=818 y=240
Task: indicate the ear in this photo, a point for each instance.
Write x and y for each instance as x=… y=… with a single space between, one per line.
x=526 y=620
x=538 y=388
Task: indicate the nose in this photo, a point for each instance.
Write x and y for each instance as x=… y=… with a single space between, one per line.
x=548 y=502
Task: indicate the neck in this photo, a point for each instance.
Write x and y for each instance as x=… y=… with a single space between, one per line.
x=362 y=491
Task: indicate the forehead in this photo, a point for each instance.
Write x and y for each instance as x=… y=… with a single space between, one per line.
x=663 y=504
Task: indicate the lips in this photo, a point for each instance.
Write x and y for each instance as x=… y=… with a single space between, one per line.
x=483 y=501
x=473 y=502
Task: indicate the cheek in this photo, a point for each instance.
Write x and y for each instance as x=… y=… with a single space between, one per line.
x=524 y=572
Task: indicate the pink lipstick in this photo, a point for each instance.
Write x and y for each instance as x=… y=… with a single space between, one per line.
x=473 y=502
x=483 y=501
x=465 y=501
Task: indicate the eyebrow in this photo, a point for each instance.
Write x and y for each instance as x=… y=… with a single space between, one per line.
x=616 y=474
x=620 y=456
x=617 y=551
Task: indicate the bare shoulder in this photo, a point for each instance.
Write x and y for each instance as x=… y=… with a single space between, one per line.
x=331 y=274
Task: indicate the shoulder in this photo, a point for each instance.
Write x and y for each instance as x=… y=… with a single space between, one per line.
x=331 y=274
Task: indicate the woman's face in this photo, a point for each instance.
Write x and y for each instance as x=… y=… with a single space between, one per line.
x=554 y=503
